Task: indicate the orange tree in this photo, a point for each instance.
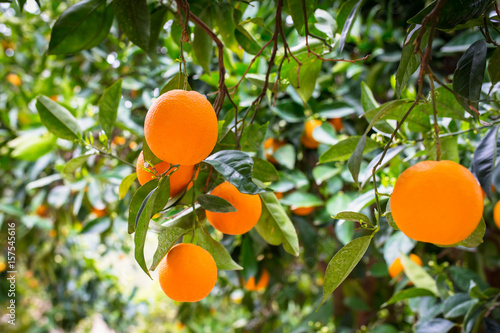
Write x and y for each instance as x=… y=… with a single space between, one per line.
x=410 y=88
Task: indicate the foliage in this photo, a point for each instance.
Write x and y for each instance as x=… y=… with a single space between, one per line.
x=409 y=82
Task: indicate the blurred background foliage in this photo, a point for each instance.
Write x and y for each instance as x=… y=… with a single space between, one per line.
x=76 y=271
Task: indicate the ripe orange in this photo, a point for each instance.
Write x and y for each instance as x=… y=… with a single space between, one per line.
x=187 y=273
x=496 y=214
x=14 y=79
x=302 y=211
x=178 y=180
x=397 y=267
x=336 y=123
x=248 y=210
x=279 y=195
x=181 y=127
x=99 y=212
x=307 y=138
x=270 y=146
x=437 y=202
x=261 y=284
x=42 y=211
x=119 y=140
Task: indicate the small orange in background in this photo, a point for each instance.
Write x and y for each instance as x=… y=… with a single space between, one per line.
x=496 y=214
x=302 y=211
x=52 y=233
x=178 y=180
x=119 y=140
x=3 y=266
x=261 y=284
x=55 y=98
x=181 y=127
x=437 y=202
x=397 y=267
x=248 y=210
x=336 y=123
x=14 y=79
x=42 y=210
x=270 y=146
x=307 y=138
x=187 y=273
x=279 y=195
x=99 y=212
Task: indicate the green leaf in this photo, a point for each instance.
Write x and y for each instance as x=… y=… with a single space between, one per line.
x=275 y=226
x=248 y=259
x=72 y=165
x=354 y=162
x=253 y=136
x=108 y=107
x=285 y=155
x=57 y=119
x=457 y=305
x=158 y=17
x=409 y=60
x=367 y=100
x=81 y=27
x=406 y=294
x=342 y=264
x=162 y=194
x=352 y=7
x=236 y=167
x=215 y=204
x=134 y=20
x=382 y=111
x=148 y=154
x=494 y=66
x=344 y=149
x=166 y=239
x=246 y=40
x=176 y=82
x=297 y=12
x=217 y=250
x=352 y=216
x=302 y=199
x=469 y=75
x=484 y=160
x=453 y=12
x=225 y=23
x=264 y=170
x=390 y=154
x=388 y=216
x=418 y=275
x=32 y=146
x=136 y=202
x=202 y=43
x=436 y=325
x=308 y=75
x=325 y=133
x=322 y=173
x=142 y=230
x=125 y=185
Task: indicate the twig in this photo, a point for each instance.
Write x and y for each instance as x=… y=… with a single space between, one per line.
x=434 y=112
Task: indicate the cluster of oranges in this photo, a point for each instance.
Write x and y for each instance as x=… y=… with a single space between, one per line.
x=181 y=129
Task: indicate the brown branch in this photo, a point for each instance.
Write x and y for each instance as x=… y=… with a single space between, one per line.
x=434 y=113
x=486 y=32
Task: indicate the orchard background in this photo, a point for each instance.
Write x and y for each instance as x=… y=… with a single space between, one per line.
x=352 y=93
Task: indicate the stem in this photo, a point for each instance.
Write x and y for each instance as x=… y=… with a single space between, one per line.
x=102 y=152
x=436 y=126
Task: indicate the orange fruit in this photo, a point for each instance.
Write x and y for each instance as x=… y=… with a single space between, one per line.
x=397 y=267
x=14 y=79
x=279 y=195
x=437 y=202
x=336 y=123
x=270 y=146
x=2 y=266
x=187 y=273
x=496 y=214
x=55 y=98
x=181 y=127
x=248 y=210
x=99 y=212
x=119 y=140
x=261 y=284
x=42 y=211
x=302 y=211
x=307 y=138
x=178 y=180
x=52 y=233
